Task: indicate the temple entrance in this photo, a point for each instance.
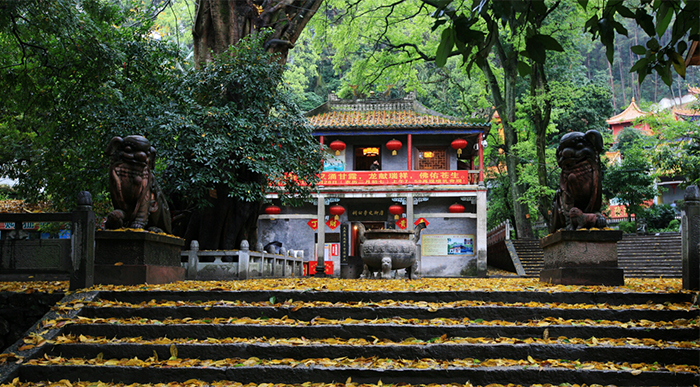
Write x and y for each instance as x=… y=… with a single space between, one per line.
x=365 y=157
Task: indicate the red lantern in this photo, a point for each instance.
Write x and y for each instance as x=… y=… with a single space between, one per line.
x=337 y=146
x=459 y=144
x=393 y=146
x=336 y=211
x=272 y=210
x=396 y=210
x=456 y=208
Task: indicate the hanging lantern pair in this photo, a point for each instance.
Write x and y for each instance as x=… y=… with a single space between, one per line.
x=459 y=144
x=337 y=146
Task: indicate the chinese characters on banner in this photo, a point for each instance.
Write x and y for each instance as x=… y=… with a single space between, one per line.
x=313 y=223
x=396 y=178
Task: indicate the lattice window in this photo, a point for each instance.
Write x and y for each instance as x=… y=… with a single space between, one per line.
x=432 y=158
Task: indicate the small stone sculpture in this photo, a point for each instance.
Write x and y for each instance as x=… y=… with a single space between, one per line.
x=137 y=199
x=578 y=199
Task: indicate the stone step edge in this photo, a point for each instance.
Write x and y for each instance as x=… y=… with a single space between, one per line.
x=395 y=332
x=310 y=313
x=612 y=297
x=483 y=375
x=572 y=352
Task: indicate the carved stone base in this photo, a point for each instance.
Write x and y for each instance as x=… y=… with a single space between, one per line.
x=582 y=258
x=138 y=274
x=140 y=257
x=608 y=276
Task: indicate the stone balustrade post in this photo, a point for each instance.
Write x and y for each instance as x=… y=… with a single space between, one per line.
x=243 y=260
x=690 y=236
x=82 y=243
x=192 y=260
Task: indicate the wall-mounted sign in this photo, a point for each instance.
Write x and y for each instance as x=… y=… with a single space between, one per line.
x=313 y=223
x=447 y=245
x=367 y=212
x=333 y=163
x=401 y=223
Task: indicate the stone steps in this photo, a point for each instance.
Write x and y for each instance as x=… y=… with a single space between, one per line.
x=641 y=256
x=521 y=337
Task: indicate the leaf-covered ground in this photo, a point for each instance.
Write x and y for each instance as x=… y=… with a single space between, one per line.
x=651 y=285
x=199 y=383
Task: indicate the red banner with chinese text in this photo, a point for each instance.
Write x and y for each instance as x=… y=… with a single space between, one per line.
x=397 y=178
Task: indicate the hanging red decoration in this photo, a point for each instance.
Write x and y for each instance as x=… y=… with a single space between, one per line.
x=459 y=144
x=272 y=210
x=393 y=146
x=336 y=211
x=396 y=210
x=456 y=208
x=337 y=146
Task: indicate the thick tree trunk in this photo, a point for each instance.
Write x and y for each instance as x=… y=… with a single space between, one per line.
x=218 y=25
x=541 y=115
x=505 y=104
x=222 y=23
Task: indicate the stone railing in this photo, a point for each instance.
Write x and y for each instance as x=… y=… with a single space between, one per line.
x=499 y=233
x=240 y=264
x=46 y=256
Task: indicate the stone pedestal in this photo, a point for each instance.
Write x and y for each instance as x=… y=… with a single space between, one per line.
x=133 y=257
x=582 y=258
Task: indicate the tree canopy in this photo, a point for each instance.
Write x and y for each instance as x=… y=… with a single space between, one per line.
x=76 y=73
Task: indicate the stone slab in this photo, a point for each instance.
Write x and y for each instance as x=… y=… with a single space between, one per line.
x=137 y=248
x=608 y=276
x=580 y=249
x=138 y=274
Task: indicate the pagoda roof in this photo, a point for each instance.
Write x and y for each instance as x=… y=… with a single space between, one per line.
x=628 y=115
x=377 y=116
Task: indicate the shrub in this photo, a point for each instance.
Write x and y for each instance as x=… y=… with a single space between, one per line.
x=627 y=227
x=658 y=216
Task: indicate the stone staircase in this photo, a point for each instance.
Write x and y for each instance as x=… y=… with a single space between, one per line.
x=641 y=256
x=651 y=256
x=529 y=253
x=355 y=337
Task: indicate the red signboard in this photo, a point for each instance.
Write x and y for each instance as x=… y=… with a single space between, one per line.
x=401 y=223
x=313 y=223
x=310 y=267
x=419 y=220
x=333 y=224
x=397 y=178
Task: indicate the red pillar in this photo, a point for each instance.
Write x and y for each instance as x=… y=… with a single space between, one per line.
x=410 y=152
x=481 y=158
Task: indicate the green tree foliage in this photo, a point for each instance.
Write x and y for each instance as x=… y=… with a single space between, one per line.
x=658 y=216
x=238 y=132
x=74 y=74
x=654 y=17
x=677 y=151
x=631 y=182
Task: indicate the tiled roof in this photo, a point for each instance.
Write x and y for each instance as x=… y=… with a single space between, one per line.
x=377 y=114
x=628 y=115
x=382 y=119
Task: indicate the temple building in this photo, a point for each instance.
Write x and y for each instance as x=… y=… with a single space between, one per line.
x=390 y=164
x=626 y=119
